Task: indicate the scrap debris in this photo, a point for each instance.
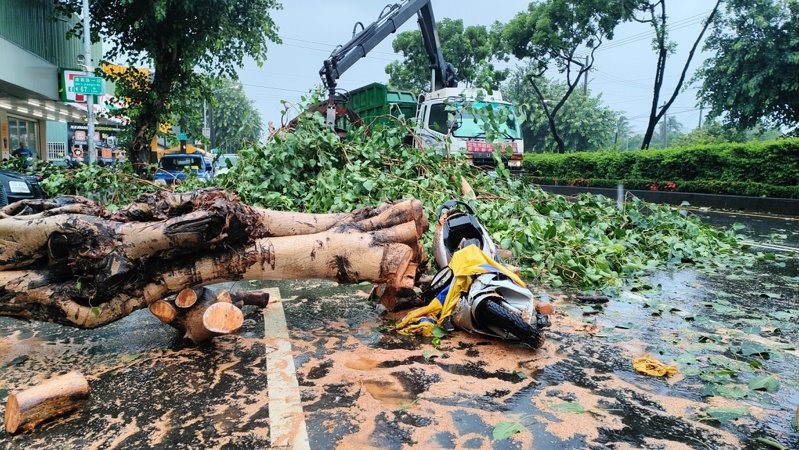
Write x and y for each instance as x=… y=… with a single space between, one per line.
x=651 y=366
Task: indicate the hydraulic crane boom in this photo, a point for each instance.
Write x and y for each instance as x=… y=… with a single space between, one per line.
x=363 y=41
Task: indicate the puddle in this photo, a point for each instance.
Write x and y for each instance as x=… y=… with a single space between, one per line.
x=390 y=393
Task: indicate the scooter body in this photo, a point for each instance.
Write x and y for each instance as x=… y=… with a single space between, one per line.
x=494 y=304
x=456 y=228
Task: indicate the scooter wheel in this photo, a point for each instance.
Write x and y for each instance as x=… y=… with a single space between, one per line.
x=494 y=313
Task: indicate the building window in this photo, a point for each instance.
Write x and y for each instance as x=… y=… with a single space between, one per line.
x=21 y=130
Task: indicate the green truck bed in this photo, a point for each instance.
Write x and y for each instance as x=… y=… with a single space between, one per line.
x=375 y=101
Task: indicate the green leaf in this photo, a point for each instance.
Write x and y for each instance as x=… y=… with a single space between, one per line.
x=771 y=443
x=731 y=391
x=766 y=383
x=438 y=332
x=504 y=430
x=749 y=348
x=96 y=311
x=725 y=414
x=369 y=185
x=569 y=407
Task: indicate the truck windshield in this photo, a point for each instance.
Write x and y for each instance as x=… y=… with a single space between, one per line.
x=472 y=121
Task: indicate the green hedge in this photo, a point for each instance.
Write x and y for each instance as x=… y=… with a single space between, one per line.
x=772 y=163
x=701 y=186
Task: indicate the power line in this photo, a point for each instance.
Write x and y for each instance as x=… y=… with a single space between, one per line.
x=328 y=52
x=275 y=88
x=673 y=26
x=327 y=44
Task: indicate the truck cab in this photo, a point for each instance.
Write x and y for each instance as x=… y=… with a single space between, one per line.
x=457 y=120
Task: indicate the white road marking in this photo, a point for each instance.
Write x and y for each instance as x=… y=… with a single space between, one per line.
x=287 y=428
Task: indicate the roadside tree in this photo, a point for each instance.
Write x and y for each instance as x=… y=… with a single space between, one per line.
x=561 y=35
x=584 y=124
x=175 y=39
x=653 y=12
x=463 y=47
x=751 y=79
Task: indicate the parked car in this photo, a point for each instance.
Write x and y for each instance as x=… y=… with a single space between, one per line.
x=15 y=186
x=176 y=167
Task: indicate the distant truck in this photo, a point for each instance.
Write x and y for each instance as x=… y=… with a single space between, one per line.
x=440 y=113
x=444 y=117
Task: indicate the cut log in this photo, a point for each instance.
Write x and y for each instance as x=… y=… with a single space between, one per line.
x=211 y=315
x=259 y=298
x=164 y=311
x=224 y=297
x=186 y=298
x=223 y=318
x=56 y=396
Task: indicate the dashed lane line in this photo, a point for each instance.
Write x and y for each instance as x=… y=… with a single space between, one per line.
x=287 y=428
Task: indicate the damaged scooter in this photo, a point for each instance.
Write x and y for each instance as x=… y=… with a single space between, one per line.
x=473 y=289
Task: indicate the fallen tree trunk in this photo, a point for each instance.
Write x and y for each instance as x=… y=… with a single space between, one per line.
x=73 y=262
x=56 y=396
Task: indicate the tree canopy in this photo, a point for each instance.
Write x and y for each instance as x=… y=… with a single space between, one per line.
x=463 y=46
x=583 y=124
x=751 y=79
x=178 y=39
x=561 y=35
x=234 y=121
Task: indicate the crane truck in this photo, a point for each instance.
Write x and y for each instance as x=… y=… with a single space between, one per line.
x=447 y=118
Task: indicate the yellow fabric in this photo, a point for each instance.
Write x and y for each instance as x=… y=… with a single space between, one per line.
x=651 y=366
x=464 y=263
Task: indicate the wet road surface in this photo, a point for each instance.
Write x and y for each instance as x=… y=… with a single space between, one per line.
x=363 y=386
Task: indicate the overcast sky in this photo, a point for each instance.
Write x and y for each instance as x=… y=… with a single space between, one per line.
x=623 y=72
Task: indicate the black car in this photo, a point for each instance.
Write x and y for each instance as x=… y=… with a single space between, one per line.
x=15 y=186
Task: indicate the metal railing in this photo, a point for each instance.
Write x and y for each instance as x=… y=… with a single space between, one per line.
x=56 y=151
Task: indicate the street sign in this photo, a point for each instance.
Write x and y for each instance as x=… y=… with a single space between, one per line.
x=207 y=132
x=88 y=85
x=182 y=136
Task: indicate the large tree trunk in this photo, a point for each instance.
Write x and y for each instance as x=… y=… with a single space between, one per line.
x=71 y=261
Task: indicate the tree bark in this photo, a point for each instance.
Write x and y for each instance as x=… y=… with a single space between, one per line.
x=54 y=397
x=73 y=262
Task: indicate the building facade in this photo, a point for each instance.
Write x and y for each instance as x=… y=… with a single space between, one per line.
x=34 y=51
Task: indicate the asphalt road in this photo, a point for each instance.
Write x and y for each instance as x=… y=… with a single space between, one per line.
x=359 y=384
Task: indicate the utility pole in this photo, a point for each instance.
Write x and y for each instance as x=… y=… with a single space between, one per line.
x=701 y=110
x=585 y=81
x=87 y=50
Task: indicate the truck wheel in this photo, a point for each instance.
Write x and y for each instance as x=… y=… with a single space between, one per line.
x=493 y=313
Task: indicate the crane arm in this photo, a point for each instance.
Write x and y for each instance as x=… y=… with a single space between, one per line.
x=368 y=37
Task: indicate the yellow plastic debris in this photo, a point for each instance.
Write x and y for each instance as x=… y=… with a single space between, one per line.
x=465 y=262
x=651 y=366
